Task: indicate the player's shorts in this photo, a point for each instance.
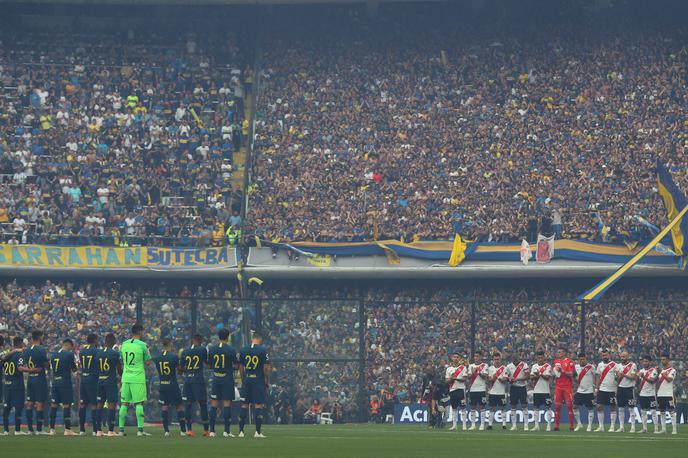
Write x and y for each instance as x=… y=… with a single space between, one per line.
x=477 y=398
x=496 y=400
x=14 y=398
x=606 y=398
x=222 y=390
x=133 y=393
x=170 y=395
x=518 y=394
x=253 y=392
x=665 y=403
x=584 y=399
x=542 y=399
x=647 y=402
x=88 y=393
x=457 y=398
x=107 y=393
x=194 y=392
x=625 y=396
x=62 y=395
x=37 y=390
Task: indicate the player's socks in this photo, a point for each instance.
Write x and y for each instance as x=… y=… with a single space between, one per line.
x=464 y=418
x=39 y=420
x=612 y=418
x=139 y=416
x=166 y=420
x=95 y=415
x=655 y=419
x=17 y=419
x=227 y=415
x=204 y=415
x=503 y=418
x=213 y=418
x=622 y=418
x=29 y=419
x=557 y=415
x=569 y=408
x=53 y=416
x=6 y=417
x=123 y=410
x=259 y=419
x=673 y=421
x=187 y=413
x=591 y=417
x=182 y=420
x=242 y=419
x=513 y=418
x=82 y=419
x=112 y=414
x=67 y=414
x=662 y=419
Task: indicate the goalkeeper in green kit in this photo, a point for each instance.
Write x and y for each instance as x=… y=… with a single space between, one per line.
x=135 y=356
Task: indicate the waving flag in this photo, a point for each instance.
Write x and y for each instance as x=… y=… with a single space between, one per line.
x=677 y=207
x=674 y=201
x=458 y=253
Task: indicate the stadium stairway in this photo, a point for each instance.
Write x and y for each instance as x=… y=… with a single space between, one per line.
x=239 y=158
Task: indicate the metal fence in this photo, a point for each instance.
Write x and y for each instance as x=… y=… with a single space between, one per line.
x=344 y=350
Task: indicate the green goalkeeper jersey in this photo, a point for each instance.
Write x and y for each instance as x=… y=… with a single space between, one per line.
x=134 y=356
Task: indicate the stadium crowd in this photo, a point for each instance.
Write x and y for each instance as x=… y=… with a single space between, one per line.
x=119 y=139
x=494 y=131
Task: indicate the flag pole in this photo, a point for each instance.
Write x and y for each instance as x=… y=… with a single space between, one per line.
x=595 y=293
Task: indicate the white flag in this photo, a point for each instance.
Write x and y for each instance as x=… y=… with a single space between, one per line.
x=526 y=252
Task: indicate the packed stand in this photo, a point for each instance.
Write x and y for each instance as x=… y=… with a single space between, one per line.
x=119 y=139
x=381 y=127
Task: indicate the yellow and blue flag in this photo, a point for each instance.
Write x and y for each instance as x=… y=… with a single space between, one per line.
x=674 y=201
x=677 y=207
x=458 y=253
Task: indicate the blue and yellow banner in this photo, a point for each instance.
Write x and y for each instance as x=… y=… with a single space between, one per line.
x=114 y=257
x=570 y=250
x=674 y=201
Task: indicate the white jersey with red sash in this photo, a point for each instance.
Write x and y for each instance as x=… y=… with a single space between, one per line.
x=586 y=378
x=665 y=388
x=496 y=373
x=542 y=385
x=648 y=382
x=608 y=376
x=518 y=373
x=456 y=377
x=477 y=382
x=628 y=368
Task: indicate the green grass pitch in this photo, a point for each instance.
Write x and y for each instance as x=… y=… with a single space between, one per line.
x=353 y=441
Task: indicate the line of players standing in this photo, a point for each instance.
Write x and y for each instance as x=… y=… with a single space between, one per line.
x=98 y=369
x=608 y=384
